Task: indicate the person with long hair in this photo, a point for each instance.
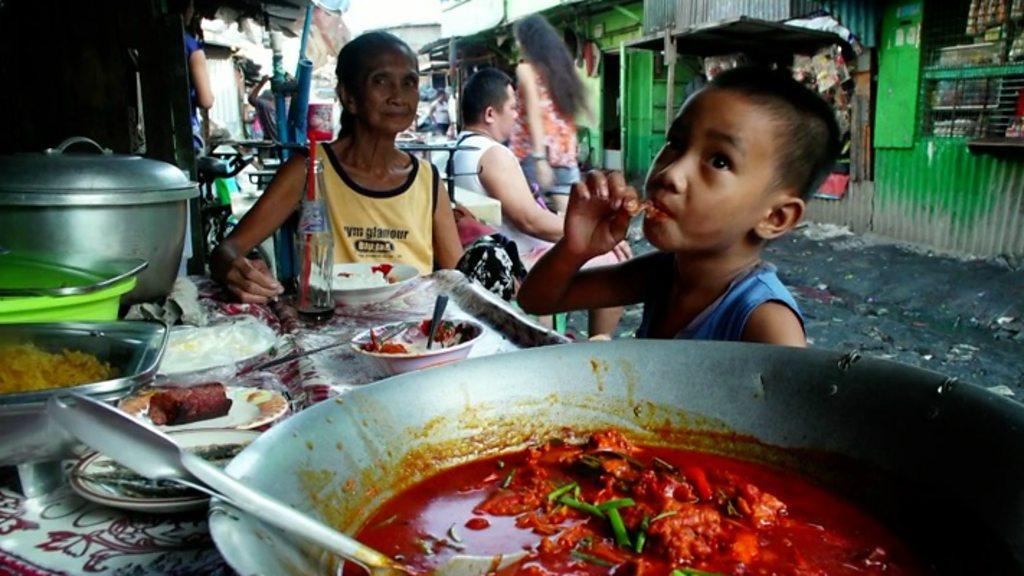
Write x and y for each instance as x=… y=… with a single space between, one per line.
x=385 y=205
x=551 y=95
x=543 y=138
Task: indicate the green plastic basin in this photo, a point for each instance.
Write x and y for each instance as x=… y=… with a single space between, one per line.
x=99 y=305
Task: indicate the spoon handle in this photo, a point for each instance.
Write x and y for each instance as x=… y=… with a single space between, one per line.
x=282 y=516
x=439 y=305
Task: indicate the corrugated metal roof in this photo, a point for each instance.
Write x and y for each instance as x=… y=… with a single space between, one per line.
x=862 y=17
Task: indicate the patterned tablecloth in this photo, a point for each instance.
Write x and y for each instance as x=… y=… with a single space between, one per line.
x=61 y=533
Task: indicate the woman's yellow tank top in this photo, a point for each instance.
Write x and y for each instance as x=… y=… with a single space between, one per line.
x=382 y=225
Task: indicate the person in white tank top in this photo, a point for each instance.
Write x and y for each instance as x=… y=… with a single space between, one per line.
x=489 y=113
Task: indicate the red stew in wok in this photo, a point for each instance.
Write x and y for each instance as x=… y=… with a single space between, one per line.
x=608 y=506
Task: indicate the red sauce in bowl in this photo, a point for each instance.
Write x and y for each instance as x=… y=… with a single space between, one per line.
x=609 y=507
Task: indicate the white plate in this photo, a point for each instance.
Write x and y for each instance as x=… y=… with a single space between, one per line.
x=401 y=274
x=115 y=497
x=192 y=349
x=250 y=408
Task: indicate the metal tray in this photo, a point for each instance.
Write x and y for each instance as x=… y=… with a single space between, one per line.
x=26 y=434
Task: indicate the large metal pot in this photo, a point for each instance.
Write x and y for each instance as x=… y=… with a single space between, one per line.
x=941 y=462
x=103 y=205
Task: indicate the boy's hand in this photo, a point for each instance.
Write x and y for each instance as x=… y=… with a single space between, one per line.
x=595 y=221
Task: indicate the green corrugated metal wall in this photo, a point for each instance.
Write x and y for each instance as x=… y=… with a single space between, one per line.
x=860 y=16
x=933 y=190
x=938 y=193
x=645 y=108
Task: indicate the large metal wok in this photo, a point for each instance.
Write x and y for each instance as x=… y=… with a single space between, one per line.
x=940 y=462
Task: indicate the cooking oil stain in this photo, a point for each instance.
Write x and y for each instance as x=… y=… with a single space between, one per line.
x=599 y=368
x=630 y=374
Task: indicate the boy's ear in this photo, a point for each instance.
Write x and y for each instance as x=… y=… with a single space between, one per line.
x=783 y=215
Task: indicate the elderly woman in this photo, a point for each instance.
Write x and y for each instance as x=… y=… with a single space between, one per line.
x=373 y=190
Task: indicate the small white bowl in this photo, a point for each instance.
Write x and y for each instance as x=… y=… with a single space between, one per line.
x=400 y=275
x=420 y=358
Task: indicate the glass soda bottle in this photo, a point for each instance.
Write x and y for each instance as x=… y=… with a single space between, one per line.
x=314 y=244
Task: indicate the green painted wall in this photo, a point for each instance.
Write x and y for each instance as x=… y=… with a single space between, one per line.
x=638 y=116
x=899 y=70
x=615 y=27
x=934 y=190
x=938 y=176
x=644 y=105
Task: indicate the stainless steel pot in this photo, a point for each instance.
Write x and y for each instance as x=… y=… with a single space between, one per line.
x=940 y=462
x=103 y=205
x=28 y=438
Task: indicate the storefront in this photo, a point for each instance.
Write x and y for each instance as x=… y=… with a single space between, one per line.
x=948 y=140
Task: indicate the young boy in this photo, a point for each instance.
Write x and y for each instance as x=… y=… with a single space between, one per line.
x=739 y=163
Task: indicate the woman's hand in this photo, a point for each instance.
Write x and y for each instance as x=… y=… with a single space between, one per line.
x=596 y=221
x=250 y=280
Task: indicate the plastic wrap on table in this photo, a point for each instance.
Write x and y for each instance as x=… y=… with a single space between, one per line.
x=483 y=305
x=266 y=380
x=216 y=352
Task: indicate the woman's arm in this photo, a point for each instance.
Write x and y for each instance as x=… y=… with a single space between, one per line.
x=503 y=180
x=229 y=264
x=447 y=248
x=200 y=79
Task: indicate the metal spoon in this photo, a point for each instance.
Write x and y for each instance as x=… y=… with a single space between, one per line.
x=151 y=453
x=439 y=305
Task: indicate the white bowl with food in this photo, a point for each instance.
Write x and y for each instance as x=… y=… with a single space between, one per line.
x=404 y=347
x=365 y=282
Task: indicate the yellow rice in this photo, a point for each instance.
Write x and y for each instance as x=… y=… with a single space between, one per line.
x=26 y=368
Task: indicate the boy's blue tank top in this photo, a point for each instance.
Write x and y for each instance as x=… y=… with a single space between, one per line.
x=727 y=316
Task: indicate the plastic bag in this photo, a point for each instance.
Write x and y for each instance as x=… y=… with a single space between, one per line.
x=213 y=353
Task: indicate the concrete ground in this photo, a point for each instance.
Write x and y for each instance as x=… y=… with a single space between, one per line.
x=961 y=317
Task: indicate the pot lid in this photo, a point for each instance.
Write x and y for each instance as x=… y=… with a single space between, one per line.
x=95 y=172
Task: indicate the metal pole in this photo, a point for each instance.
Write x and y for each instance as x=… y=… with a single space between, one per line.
x=670 y=86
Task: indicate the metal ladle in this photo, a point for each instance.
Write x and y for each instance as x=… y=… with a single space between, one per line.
x=153 y=454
